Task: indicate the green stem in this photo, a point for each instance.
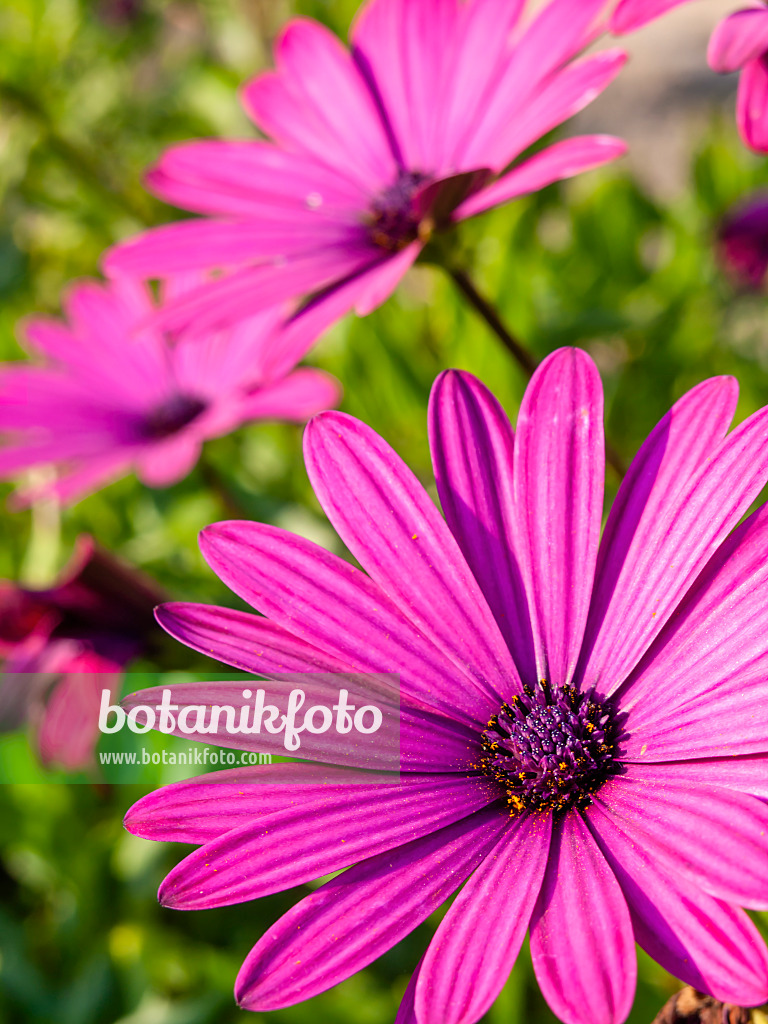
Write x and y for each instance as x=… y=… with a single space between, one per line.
x=525 y=359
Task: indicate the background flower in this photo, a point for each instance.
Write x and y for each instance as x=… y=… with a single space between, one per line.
x=742 y=239
x=373 y=149
x=571 y=747
x=61 y=646
x=740 y=43
x=115 y=395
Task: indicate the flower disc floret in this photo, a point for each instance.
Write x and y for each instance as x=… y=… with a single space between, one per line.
x=551 y=748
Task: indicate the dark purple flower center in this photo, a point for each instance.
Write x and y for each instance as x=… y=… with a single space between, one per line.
x=173 y=415
x=551 y=748
x=394 y=219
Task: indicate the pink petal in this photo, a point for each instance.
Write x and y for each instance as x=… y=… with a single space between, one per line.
x=253 y=179
x=701 y=690
x=403 y=49
x=717 y=837
x=330 y=604
x=319 y=104
x=362 y=292
x=746 y=774
x=567 y=94
x=296 y=397
x=482 y=45
x=558 y=487
x=738 y=39
x=167 y=462
x=752 y=106
x=208 y=244
x=472 y=446
x=582 y=945
x=633 y=14
x=388 y=522
x=474 y=948
x=246 y=641
x=205 y=808
x=561 y=160
x=634 y=562
x=382 y=280
x=351 y=920
x=250 y=290
x=701 y=940
x=308 y=839
x=69 y=729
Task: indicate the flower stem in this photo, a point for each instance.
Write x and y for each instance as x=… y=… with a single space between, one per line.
x=525 y=359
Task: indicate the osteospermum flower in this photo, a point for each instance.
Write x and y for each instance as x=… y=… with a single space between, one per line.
x=61 y=646
x=740 y=43
x=373 y=149
x=586 y=734
x=742 y=241
x=114 y=395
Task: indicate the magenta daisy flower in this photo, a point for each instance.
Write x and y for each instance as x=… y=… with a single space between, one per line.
x=742 y=242
x=740 y=43
x=373 y=149
x=586 y=734
x=113 y=395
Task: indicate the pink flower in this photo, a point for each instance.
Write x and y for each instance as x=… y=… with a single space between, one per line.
x=373 y=149
x=585 y=718
x=742 y=242
x=112 y=396
x=740 y=43
x=60 y=647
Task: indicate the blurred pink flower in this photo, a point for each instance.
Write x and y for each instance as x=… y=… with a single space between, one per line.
x=740 y=43
x=742 y=242
x=60 y=647
x=114 y=394
x=584 y=710
x=373 y=150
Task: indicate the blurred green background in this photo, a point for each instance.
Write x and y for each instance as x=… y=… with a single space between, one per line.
x=90 y=93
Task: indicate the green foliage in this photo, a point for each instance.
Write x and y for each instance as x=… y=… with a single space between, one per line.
x=87 y=100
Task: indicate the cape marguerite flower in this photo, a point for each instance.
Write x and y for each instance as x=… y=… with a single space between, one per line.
x=114 y=395
x=374 y=148
x=586 y=732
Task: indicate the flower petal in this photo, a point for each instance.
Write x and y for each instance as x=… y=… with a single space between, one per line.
x=472 y=446
x=633 y=14
x=403 y=50
x=253 y=179
x=561 y=160
x=671 y=552
x=738 y=39
x=512 y=123
x=752 y=106
x=388 y=522
x=166 y=462
x=701 y=940
x=746 y=774
x=582 y=945
x=718 y=837
x=330 y=604
x=558 y=489
x=701 y=690
x=654 y=491
x=204 y=808
x=347 y=923
x=296 y=397
x=306 y=840
x=474 y=949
